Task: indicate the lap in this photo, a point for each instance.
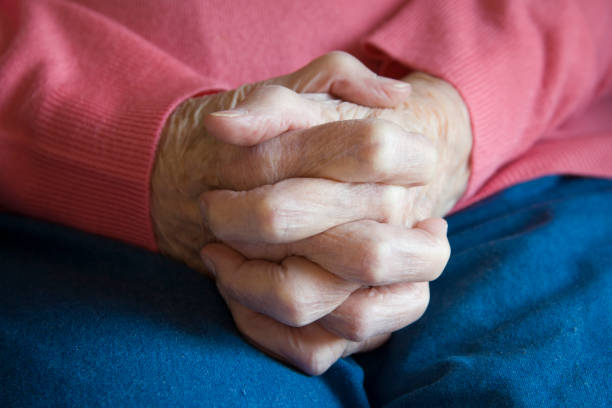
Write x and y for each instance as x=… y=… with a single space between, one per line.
x=86 y=321
x=521 y=316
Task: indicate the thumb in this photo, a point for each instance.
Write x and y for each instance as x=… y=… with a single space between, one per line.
x=265 y=113
x=344 y=76
x=275 y=106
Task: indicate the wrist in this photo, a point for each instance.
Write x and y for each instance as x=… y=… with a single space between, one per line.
x=446 y=122
x=176 y=184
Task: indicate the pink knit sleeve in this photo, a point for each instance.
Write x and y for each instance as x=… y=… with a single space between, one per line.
x=523 y=68
x=82 y=103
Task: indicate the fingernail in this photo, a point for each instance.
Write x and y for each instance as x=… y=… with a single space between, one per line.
x=445 y=226
x=209 y=264
x=228 y=113
x=403 y=86
x=397 y=84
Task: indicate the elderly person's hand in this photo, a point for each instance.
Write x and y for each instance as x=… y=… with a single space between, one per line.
x=190 y=160
x=359 y=246
x=348 y=262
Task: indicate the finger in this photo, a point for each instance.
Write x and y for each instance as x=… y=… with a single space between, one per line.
x=295 y=209
x=296 y=292
x=366 y=345
x=254 y=119
x=368 y=150
x=368 y=252
x=340 y=74
x=265 y=113
x=371 y=312
x=374 y=254
x=311 y=349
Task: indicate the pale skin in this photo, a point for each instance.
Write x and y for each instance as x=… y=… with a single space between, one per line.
x=324 y=210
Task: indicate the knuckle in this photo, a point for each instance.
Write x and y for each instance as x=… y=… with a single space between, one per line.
x=269 y=218
x=375 y=255
x=360 y=325
x=296 y=315
x=377 y=146
x=272 y=93
x=316 y=361
x=339 y=61
x=294 y=310
x=211 y=209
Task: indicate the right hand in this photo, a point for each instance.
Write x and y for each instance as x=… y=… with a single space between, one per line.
x=191 y=161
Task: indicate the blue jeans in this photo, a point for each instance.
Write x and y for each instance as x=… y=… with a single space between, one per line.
x=520 y=317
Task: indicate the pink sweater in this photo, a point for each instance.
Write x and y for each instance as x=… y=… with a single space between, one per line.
x=85 y=86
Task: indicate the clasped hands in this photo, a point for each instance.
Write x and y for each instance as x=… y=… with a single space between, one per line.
x=315 y=198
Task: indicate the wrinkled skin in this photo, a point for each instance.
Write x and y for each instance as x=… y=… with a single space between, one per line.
x=333 y=198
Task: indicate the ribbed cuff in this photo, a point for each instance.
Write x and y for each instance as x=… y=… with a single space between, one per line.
x=92 y=161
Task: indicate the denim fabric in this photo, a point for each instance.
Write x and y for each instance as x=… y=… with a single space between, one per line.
x=520 y=317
